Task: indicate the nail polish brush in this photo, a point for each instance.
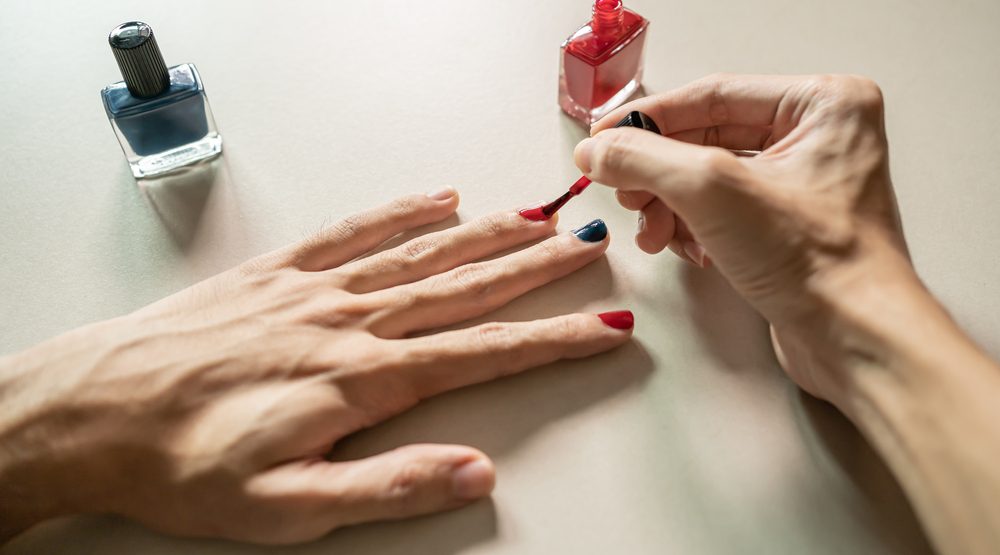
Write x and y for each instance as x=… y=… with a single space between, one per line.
x=633 y=119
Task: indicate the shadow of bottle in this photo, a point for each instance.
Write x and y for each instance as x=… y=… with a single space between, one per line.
x=179 y=198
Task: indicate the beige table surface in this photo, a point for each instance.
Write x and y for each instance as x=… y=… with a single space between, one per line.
x=689 y=440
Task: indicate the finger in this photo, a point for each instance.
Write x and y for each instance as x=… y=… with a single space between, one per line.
x=315 y=497
x=438 y=252
x=360 y=233
x=656 y=227
x=676 y=172
x=633 y=200
x=732 y=137
x=686 y=247
x=748 y=100
x=437 y=363
x=478 y=288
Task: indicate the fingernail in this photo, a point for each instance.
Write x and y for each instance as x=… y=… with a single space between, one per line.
x=534 y=212
x=696 y=252
x=443 y=193
x=641 y=224
x=619 y=319
x=473 y=479
x=594 y=232
x=582 y=154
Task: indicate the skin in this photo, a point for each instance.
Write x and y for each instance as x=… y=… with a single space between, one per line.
x=809 y=233
x=208 y=414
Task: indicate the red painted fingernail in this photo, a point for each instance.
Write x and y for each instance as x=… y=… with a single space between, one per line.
x=619 y=319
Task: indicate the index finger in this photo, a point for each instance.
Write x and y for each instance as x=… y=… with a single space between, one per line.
x=722 y=99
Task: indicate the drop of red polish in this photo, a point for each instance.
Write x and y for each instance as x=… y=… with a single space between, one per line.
x=620 y=319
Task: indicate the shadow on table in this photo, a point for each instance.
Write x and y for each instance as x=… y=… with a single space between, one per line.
x=445 y=534
x=496 y=417
x=734 y=334
x=888 y=511
x=179 y=199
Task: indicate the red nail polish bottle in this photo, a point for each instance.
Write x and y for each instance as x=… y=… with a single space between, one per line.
x=601 y=64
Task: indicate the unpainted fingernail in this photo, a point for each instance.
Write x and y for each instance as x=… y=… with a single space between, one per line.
x=473 y=479
x=583 y=153
x=695 y=252
x=641 y=224
x=443 y=193
x=593 y=232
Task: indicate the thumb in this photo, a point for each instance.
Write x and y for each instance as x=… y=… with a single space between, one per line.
x=683 y=175
x=404 y=482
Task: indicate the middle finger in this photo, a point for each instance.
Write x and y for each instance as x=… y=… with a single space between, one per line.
x=438 y=252
x=475 y=289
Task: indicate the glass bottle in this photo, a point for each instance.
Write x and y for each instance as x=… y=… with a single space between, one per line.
x=601 y=63
x=161 y=116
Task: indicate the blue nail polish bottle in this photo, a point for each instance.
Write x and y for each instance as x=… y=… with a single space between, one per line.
x=161 y=116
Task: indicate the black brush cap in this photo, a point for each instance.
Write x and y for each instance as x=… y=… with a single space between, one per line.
x=639 y=120
x=139 y=59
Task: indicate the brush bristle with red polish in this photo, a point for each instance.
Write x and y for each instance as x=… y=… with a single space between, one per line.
x=633 y=119
x=543 y=213
x=580 y=185
x=534 y=214
x=620 y=319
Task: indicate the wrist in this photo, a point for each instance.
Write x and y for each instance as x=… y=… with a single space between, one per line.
x=45 y=449
x=24 y=458
x=924 y=395
x=884 y=331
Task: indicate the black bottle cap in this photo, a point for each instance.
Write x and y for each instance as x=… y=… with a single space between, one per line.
x=139 y=59
x=640 y=120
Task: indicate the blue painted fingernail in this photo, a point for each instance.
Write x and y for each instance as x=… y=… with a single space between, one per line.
x=594 y=232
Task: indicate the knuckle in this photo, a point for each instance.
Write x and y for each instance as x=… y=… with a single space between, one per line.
x=567 y=329
x=474 y=280
x=402 y=488
x=613 y=153
x=409 y=204
x=347 y=227
x=717 y=171
x=716 y=163
x=849 y=92
x=549 y=253
x=714 y=79
x=415 y=251
x=495 y=337
x=817 y=86
x=501 y=340
x=821 y=82
x=343 y=310
x=494 y=225
x=865 y=91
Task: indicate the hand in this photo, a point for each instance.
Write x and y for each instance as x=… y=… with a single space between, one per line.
x=808 y=232
x=809 y=218
x=209 y=413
